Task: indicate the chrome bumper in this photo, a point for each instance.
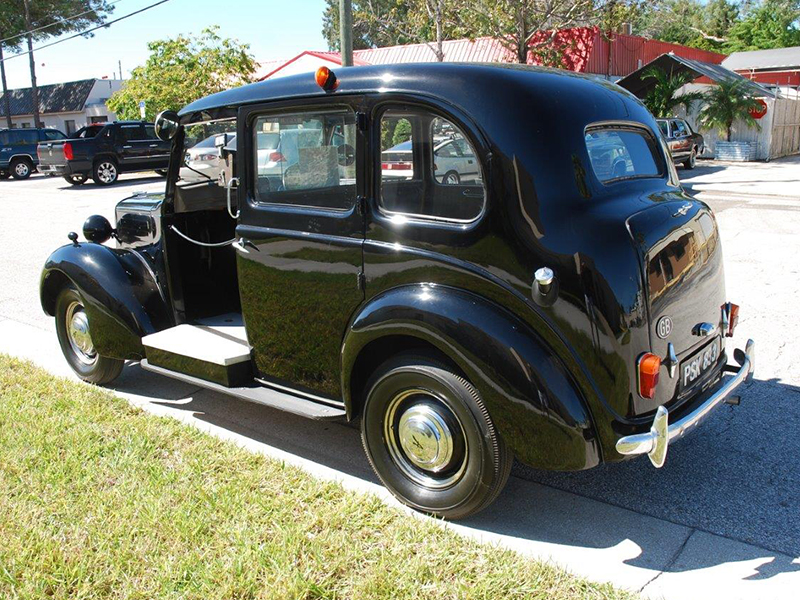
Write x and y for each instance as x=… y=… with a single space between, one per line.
x=655 y=442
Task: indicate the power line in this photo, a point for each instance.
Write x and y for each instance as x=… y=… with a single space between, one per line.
x=82 y=33
x=56 y=22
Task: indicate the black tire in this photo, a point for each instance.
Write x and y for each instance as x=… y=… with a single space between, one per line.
x=161 y=172
x=105 y=171
x=451 y=178
x=690 y=162
x=412 y=388
x=76 y=178
x=87 y=364
x=21 y=168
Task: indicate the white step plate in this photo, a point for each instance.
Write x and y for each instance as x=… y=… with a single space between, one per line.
x=219 y=344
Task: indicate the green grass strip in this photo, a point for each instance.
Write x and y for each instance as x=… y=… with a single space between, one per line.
x=98 y=499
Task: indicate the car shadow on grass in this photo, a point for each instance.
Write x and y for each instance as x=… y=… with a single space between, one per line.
x=717 y=480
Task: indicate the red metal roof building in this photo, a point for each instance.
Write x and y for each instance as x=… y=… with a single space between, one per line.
x=582 y=49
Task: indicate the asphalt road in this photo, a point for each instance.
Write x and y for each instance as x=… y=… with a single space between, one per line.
x=727 y=495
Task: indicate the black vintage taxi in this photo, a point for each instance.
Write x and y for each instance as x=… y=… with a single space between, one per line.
x=478 y=262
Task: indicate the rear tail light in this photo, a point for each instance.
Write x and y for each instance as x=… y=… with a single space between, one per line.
x=398 y=166
x=68 y=151
x=276 y=157
x=648 y=368
x=385 y=166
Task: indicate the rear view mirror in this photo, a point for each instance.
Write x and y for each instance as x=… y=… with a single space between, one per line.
x=167 y=124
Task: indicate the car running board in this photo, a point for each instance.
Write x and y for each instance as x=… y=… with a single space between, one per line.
x=260 y=394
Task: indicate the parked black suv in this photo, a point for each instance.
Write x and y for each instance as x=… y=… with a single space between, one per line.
x=18 y=150
x=104 y=150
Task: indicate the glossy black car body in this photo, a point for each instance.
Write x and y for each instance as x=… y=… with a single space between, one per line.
x=329 y=295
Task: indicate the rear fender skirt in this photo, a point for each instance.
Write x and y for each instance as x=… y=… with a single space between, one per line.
x=123 y=299
x=529 y=394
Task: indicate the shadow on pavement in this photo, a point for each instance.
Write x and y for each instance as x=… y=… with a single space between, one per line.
x=736 y=476
x=122 y=183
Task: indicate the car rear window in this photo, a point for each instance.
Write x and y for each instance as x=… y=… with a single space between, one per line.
x=623 y=153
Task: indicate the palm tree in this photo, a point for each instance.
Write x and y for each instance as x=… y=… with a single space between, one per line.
x=662 y=99
x=727 y=102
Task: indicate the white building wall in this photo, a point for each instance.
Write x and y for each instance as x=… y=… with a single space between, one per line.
x=95 y=109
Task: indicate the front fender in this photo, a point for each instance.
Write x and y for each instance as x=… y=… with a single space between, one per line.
x=123 y=299
x=528 y=392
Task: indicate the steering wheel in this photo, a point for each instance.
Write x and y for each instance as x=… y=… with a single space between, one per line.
x=346 y=155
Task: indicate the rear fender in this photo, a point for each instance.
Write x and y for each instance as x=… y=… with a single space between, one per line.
x=123 y=299
x=528 y=392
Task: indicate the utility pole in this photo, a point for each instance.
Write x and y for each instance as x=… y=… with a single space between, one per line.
x=37 y=121
x=120 y=70
x=6 y=98
x=345 y=32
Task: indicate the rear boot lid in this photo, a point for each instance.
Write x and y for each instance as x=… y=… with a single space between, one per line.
x=681 y=262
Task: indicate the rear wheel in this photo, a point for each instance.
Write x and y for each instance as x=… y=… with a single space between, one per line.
x=76 y=178
x=74 y=337
x=105 y=172
x=21 y=168
x=430 y=439
x=161 y=172
x=690 y=162
x=451 y=178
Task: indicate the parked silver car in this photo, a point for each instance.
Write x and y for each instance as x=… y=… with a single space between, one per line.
x=454 y=164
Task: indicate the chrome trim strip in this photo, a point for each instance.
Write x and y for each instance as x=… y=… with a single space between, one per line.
x=655 y=442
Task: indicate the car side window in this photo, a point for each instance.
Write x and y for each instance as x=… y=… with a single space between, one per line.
x=131 y=133
x=52 y=135
x=679 y=129
x=306 y=159
x=24 y=138
x=429 y=169
x=150 y=132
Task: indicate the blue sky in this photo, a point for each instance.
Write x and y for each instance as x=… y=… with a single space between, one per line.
x=273 y=28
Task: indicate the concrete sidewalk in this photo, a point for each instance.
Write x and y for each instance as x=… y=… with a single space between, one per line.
x=598 y=540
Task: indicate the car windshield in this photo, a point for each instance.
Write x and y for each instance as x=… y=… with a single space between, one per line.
x=623 y=153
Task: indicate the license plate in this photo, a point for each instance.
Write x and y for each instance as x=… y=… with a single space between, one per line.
x=694 y=367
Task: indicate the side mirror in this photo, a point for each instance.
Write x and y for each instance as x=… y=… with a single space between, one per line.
x=167 y=124
x=97 y=229
x=221 y=140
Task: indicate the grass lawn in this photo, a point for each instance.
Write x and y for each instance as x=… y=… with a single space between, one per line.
x=101 y=500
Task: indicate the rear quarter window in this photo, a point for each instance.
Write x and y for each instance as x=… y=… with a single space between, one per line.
x=618 y=153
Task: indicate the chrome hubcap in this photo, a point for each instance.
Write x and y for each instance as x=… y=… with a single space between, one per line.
x=451 y=179
x=107 y=172
x=78 y=334
x=21 y=168
x=425 y=439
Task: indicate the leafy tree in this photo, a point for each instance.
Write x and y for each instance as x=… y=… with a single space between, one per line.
x=181 y=70
x=368 y=28
x=663 y=98
x=770 y=24
x=28 y=21
x=727 y=102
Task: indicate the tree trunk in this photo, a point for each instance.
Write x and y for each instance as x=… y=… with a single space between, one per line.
x=728 y=131
x=6 y=99
x=439 y=31
x=37 y=121
x=522 y=38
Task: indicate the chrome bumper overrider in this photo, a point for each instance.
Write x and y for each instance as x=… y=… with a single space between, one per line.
x=655 y=442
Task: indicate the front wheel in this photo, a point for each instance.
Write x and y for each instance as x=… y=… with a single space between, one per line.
x=161 y=172
x=74 y=337
x=430 y=439
x=21 y=168
x=76 y=178
x=451 y=178
x=691 y=162
x=105 y=172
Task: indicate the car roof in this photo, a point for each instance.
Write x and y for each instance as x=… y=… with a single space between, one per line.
x=444 y=80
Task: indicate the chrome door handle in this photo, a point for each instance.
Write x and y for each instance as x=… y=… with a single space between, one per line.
x=228 y=187
x=127 y=146
x=154 y=145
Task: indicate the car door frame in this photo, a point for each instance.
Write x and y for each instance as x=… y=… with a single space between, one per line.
x=342 y=227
